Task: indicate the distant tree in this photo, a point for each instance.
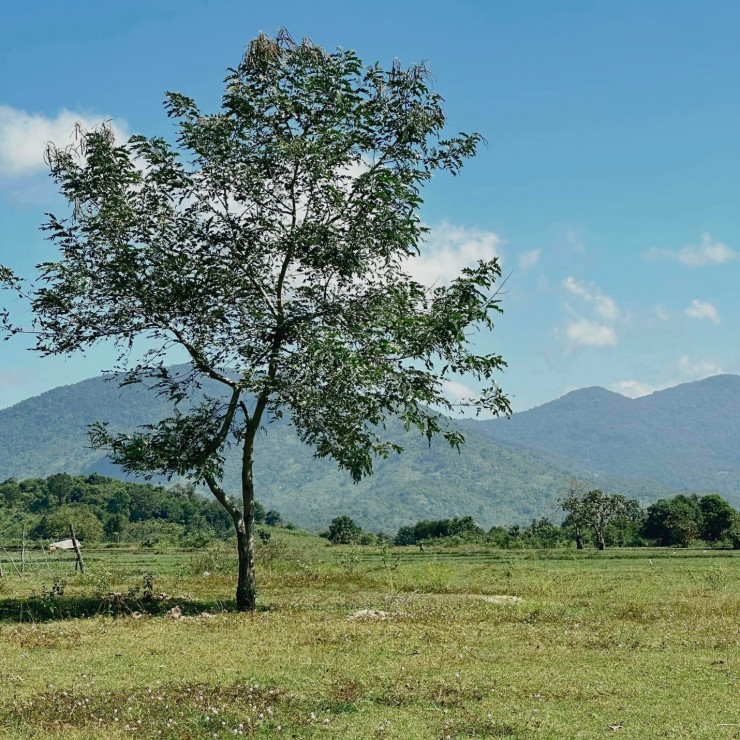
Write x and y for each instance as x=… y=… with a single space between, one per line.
x=383 y=539
x=626 y=531
x=344 y=531
x=544 y=533
x=717 y=517
x=259 y=512
x=405 y=536
x=572 y=502
x=55 y=523
x=676 y=521
x=114 y=527
x=439 y=528
x=273 y=518
x=272 y=244
x=593 y=509
x=733 y=534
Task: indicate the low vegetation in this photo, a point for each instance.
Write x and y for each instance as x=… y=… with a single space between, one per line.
x=373 y=642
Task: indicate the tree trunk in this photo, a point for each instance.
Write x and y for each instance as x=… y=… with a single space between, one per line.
x=246 y=587
x=579 y=541
x=600 y=539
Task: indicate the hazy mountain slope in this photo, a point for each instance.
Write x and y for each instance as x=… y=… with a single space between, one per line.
x=495 y=482
x=686 y=436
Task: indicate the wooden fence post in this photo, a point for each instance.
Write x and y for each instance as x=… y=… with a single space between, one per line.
x=76 y=546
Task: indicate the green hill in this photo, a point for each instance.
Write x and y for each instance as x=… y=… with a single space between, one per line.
x=497 y=483
x=685 y=437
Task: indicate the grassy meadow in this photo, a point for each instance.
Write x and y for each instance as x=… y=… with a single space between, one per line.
x=643 y=643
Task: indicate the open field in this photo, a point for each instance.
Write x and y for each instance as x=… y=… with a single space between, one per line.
x=644 y=643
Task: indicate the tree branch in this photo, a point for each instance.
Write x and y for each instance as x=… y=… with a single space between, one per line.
x=221 y=497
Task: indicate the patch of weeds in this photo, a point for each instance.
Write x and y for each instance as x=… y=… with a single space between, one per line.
x=716 y=578
x=349 y=561
x=272 y=553
x=470 y=725
x=438 y=577
x=391 y=560
x=219 y=559
x=168 y=711
x=56 y=590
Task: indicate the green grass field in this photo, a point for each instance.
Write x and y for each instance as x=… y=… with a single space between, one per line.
x=642 y=643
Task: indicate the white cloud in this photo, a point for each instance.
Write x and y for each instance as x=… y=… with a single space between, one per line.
x=685 y=370
x=575 y=240
x=457 y=391
x=590 y=334
x=529 y=259
x=24 y=136
x=662 y=313
x=604 y=306
x=708 y=252
x=702 y=310
x=634 y=388
x=448 y=249
x=697 y=370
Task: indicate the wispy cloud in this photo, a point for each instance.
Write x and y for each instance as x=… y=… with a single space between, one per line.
x=698 y=369
x=448 y=249
x=24 y=136
x=575 y=241
x=703 y=310
x=662 y=313
x=457 y=391
x=590 y=334
x=635 y=388
x=707 y=252
x=529 y=259
x=684 y=370
x=604 y=306
x=598 y=330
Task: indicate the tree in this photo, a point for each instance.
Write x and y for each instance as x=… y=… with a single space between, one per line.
x=675 y=521
x=717 y=517
x=273 y=518
x=573 y=503
x=55 y=524
x=343 y=530
x=272 y=244
x=593 y=509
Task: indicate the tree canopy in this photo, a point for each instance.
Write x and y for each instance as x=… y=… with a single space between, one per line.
x=271 y=243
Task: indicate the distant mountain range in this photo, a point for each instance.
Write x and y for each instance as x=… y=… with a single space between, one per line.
x=687 y=436
x=509 y=471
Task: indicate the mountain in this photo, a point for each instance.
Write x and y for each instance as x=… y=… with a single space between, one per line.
x=687 y=436
x=496 y=482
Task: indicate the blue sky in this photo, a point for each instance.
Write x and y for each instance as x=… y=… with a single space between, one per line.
x=609 y=186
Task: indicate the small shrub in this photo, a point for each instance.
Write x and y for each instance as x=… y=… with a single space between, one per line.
x=264 y=536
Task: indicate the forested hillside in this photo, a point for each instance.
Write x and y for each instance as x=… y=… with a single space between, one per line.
x=107 y=509
x=497 y=483
x=685 y=437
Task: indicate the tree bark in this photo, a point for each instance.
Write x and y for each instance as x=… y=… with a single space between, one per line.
x=579 y=542
x=600 y=539
x=246 y=586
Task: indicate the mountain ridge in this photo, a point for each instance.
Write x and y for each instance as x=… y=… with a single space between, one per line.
x=686 y=436
x=497 y=482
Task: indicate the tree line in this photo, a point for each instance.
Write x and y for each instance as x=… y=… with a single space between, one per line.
x=592 y=518
x=110 y=510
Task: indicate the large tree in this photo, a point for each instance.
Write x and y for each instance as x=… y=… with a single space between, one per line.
x=593 y=509
x=272 y=243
